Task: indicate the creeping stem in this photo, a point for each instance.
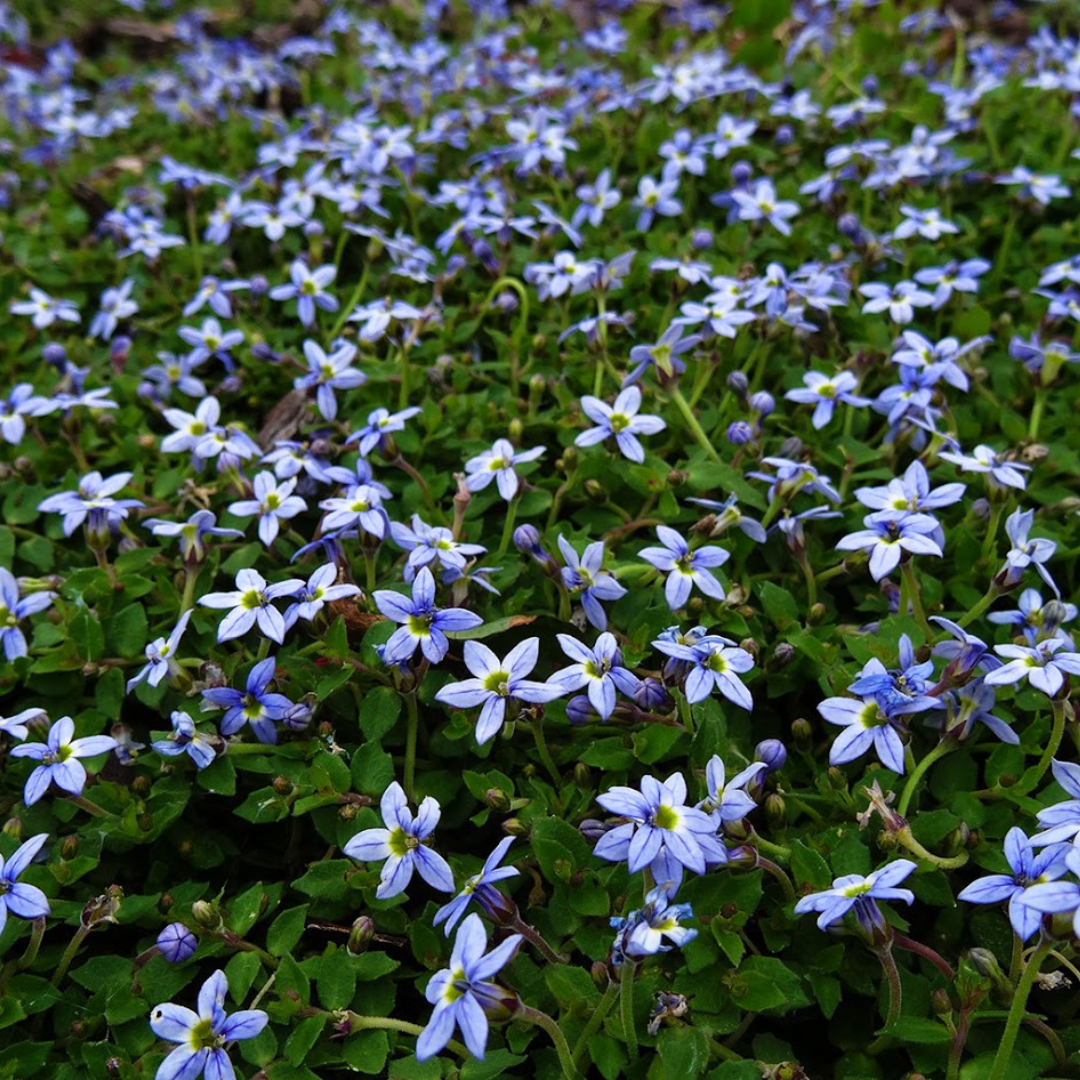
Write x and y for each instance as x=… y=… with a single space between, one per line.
x=1032 y=780
x=626 y=1006
x=918 y=772
x=542 y=1020
x=1019 y=1007
x=597 y=1018
x=412 y=717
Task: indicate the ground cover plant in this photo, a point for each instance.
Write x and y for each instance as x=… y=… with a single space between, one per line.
x=539 y=540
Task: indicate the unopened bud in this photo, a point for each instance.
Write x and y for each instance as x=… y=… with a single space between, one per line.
x=497 y=799
x=802 y=733
x=595 y=491
x=816 y=615
x=515 y=827
x=782 y=655
x=600 y=975
x=940 y=1003
x=582 y=775
x=361 y=935
x=775 y=811
x=69 y=847
x=206 y=915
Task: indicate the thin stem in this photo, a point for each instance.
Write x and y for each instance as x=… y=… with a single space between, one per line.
x=992 y=594
x=892 y=977
x=990 y=541
x=69 y=954
x=943 y=862
x=1037 y=413
x=187 y=600
x=914 y=590
x=403 y=393
x=542 y=1020
x=350 y=307
x=785 y=882
x=386 y=1023
x=917 y=774
x=1016 y=1012
x=919 y=949
x=811 y=581
x=692 y=422
x=626 y=1006
x=597 y=1018
x=545 y=753
x=508 y=527
x=1032 y=780
x=534 y=937
x=413 y=722
x=777 y=851
x=37 y=932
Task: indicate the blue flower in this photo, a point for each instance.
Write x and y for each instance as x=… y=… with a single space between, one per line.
x=856 y=891
x=685 y=568
x=498 y=464
x=359 y=508
x=715 y=662
x=16 y=897
x=308 y=288
x=161 y=657
x=868 y=725
x=250 y=603
x=461 y=992
x=824 y=393
x=1057 y=897
x=14 y=608
x=92 y=503
x=59 y=756
x=272 y=504
x=1062 y=820
x=1028 y=869
x=588 y=575
x=422 y=622
x=729 y=801
x=600 y=670
x=662 y=832
x=401 y=845
x=1038 y=663
x=319 y=591
x=256 y=706
x=327 y=373
x=496 y=682
x=186 y=739
x=480 y=887
x=191 y=532
x=888 y=535
x=620 y=422
x=177 y=943
x=202 y=1036
x=642 y=933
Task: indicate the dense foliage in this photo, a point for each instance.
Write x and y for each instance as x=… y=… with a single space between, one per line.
x=539 y=540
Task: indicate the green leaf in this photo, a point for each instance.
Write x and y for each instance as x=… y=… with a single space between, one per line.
x=608 y=1056
x=559 y=847
x=240 y=972
x=372 y=770
x=764 y=983
x=336 y=980
x=86 y=635
x=303 y=1037
x=126 y=631
x=290 y=976
x=779 y=605
x=366 y=1051
x=379 y=712
x=918 y=1029
x=286 y=930
x=684 y=1052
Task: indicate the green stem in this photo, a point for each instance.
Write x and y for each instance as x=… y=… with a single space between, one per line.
x=675 y=394
x=785 y=882
x=597 y=1018
x=626 y=1006
x=979 y=608
x=1037 y=413
x=187 y=600
x=545 y=754
x=990 y=541
x=941 y=861
x=413 y=723
x=912 y=784
x=777 y=851
x=508 y=527
x=542 y=1020
x=386 y=1023
x=37 y=932
x=1031 y=781
x=69 y=954
x=892 y=977
x=403 y=394
x=914 y=591
x=350 y=307
x=1016 y=1012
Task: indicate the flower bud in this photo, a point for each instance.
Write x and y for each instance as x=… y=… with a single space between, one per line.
x=773 y=753
x=55 y=354
x=775 y=812
x=13 y=827
x=763 y=403
x=206 y=915
x=837 y=779
x=69 y=847
x=579 y=710
x=258 y=286
x=816 y=615
x=497 y=799
x=785 y=135
x=361 y=935
x=600 y=975
x=738 y=383
x=803 y=733
x=177 y=943
x=592 y=829
x=940 y=1003
x=739 y=433
x=782 y=655
x=582 y=775
x=595 y=491
x=741 y=172
x=527 y=540
x=515 y=827
x=651 y=694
